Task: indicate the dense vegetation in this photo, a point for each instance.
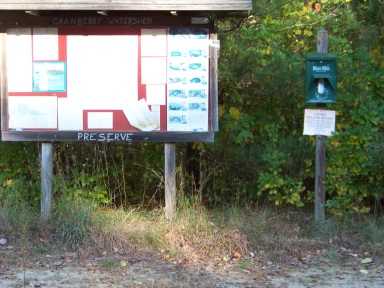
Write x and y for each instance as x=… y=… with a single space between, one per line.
x=260 y=154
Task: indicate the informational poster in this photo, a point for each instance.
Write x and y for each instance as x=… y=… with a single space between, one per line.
x=45 y=43
x=319 y=122
x=49 y=77
x=33 y=112
x=19 y=59
x=187 y=93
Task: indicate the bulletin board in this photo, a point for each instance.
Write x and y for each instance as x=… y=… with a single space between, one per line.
x=102 y=83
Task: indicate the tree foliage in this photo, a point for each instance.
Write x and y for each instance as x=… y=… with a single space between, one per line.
x=262 y=80
x=259 y=153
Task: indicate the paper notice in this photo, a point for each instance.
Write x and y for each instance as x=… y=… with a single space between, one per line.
x=32 y=112
x=319 y=122
x=139 y=116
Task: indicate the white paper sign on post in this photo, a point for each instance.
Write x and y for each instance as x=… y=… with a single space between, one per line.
x=319 y=122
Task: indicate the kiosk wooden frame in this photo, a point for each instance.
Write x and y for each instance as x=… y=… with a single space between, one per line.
x=144 y=5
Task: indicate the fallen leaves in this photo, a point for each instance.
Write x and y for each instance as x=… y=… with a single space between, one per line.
x=165 y=255
x=5 y=272
x=237 y=255
x=366 y=260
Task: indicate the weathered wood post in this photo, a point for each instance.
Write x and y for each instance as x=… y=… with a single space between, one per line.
x=3 y=81
x=322 y=47
x=170 y=181
x=46 y=162
x=214 y=52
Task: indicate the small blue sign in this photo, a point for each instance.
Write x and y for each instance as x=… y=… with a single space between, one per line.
x=49 y=77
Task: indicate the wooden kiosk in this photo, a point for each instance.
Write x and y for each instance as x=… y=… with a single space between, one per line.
x=110 y=70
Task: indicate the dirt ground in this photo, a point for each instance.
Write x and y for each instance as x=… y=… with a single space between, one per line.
x=68 y=271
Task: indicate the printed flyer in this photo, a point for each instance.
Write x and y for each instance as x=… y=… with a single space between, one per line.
x=187 y=72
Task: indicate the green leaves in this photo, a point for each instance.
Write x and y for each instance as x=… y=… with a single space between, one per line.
x=262 y=90
x=19 y=173
x=352 y=175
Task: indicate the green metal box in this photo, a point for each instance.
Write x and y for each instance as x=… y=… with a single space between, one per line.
x=321 y=77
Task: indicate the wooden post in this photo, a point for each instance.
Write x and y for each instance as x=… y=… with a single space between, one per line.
x=214 y=52
x=170 y=181
x=46 y=158
x=322 y=47
x=3 y=83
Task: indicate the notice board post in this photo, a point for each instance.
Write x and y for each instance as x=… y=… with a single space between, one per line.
x=46 y=158
x=170 y=181
x=322 y=47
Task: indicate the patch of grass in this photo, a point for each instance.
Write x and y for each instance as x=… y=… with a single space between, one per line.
x=107 y=263
x=19 y=221
x=72 y=222
x=271 y=235
x=244 y=264
x=128 y=230
x=41 y=250
x=372 y=235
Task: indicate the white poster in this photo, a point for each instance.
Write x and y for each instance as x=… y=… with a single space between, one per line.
x=32 y=112
x=102 y=68
x=100 y=120
x=70 y=114
x=45 y=44
x=156 y=113
x=153 y=70
x=19 y=58
x=154 y=42
x=101 y=74
x=319 y=122
x=155 y=94
x=140 y=117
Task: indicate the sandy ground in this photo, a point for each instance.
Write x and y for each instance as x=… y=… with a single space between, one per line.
x=64 y=272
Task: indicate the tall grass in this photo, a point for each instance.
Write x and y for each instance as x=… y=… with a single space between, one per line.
x=275 y=235
x=19 y=221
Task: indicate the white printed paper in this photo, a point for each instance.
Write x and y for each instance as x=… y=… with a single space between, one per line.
x=19 y=58
x=153 y=42
x=188 y=78
x=70 y=114
x=45 y=44
x=319 y=122
x=100 y=120
x=102 y=69
x=153 y=70
x=140 y=117
x=32 y=112
x=156 y=114
x=155 y=94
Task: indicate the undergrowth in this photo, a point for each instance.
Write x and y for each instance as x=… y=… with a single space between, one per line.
x=196 y=233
